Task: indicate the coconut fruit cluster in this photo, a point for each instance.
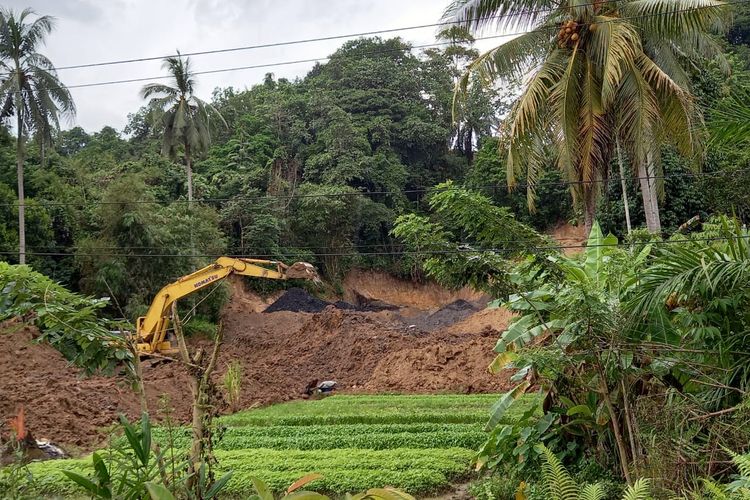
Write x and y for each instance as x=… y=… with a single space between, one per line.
x=569 y=34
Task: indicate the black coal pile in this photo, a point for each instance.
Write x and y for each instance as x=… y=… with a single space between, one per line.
x=447 y=315
x=297 y=300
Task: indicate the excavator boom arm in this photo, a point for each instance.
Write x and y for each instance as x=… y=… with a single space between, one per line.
x=151 y=329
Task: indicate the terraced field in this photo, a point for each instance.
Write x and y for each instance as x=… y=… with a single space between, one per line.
x=420 y=444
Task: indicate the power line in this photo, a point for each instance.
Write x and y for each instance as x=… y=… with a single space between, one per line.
x=454 y=251
x=433 y=189
x=308 y=40
x=324 y=58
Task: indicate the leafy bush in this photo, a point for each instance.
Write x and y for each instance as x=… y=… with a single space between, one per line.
x=68 y=321
x=137 y=467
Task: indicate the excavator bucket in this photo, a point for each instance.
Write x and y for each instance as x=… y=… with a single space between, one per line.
x=302 y=270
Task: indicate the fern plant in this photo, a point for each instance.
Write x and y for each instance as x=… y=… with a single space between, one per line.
x=739 y=489
x=559 y=484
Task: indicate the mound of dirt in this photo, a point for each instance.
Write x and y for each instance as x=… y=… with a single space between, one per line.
x=362 y=351
x=299 y=300
x=59 y=403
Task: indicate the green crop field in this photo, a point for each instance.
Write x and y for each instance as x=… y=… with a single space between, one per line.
x=420 y=444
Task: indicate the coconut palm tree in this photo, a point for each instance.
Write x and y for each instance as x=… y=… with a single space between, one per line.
x=596 y=72
x=185 y=118
x=30 y=91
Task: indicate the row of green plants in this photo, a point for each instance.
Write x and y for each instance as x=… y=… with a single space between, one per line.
x=330 y=438
x=339 y=430
x=137 y=467
x=385 y=409
x=447 y=460
x=398 y=417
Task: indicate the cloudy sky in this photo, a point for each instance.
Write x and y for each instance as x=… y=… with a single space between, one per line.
x=90 y=31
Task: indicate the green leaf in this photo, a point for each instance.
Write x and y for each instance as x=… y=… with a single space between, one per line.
x=101 y=469
x=580 y=409
x=159 y=492
x=594 y=253
x=82 y=481
x=145 y=438
x=506 y=400
x=305 y=495
x=219 y=485
x=264 y=492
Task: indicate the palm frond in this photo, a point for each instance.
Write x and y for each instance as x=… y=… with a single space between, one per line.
x=565 y=99
x=500 y=14
x=615 y=43
x=595 y=131
x=680 y=120
x=658 y=18
x=729 y=121
x=36 y=31
x=154 y=89
x=637 y=110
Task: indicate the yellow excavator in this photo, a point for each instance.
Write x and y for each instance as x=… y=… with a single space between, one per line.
x=151 y=329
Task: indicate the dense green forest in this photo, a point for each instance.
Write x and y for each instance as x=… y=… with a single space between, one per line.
x=313 y=169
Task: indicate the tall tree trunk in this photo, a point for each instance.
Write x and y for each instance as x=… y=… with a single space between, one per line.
x=189 y=171
x=21 y=197
x=650 y=199
x=589 y=208
x=469 y=145
x=624 y=188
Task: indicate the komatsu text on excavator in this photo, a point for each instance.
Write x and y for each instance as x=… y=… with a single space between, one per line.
x=151 y=329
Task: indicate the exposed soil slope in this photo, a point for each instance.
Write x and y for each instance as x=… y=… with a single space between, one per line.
x=362 y=286
x=571 y=238
x=61 y=404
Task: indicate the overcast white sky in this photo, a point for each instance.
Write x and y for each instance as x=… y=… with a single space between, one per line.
x=93 y=31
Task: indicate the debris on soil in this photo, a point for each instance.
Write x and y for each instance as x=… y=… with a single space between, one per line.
x=22 y=445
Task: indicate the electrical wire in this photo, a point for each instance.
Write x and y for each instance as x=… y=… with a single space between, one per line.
x=454 y=251
x=310 y=40
x=382 y=51
x=434 y=189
